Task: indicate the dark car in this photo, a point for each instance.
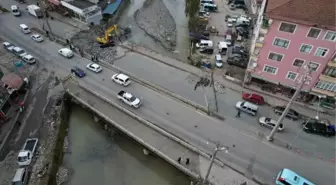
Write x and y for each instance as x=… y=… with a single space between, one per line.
x=237 y=61
x=207 y=50
x=78 y=72
x=242 y=32
x=242 y=25
x=240 y=6
x=291 y=114
x=317 y=127
x=239 y=50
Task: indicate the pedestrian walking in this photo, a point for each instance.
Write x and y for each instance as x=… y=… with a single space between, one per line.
x=179 y=160
x=187 y=161
x=238 y=114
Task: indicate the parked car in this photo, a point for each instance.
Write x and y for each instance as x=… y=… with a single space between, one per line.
x=240 y=6
x=247 y=107
x=121 y=79
x=36 y=37
x=21 y=176
x=318 y=127
x=78 y=72
x=291 y=114
x=239 y=50
x=66 y=52
x=270 y=123
x=242 y=31
x=8 y=46
x=254 y=98
x=237 y=60
x=219 y=62
x=19 y=52
x=29 y=59
x=94 y=67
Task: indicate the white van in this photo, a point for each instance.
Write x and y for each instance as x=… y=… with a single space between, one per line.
x=206 y=1
x=21 y=176
x=29 y=59
x=247 y=107
x=15 y=10
x=222 y=47
x=204 y=44
x=24 y=28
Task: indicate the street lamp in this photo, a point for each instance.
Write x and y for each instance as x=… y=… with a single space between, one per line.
x=216 y=149
x=291 y=101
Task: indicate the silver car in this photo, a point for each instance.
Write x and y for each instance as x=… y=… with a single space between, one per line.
x=270 y=123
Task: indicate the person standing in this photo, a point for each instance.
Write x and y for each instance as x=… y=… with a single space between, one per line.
x=238 y=114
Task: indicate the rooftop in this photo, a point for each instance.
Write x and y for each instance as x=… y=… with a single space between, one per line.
x=82 y=4
x=317 y=13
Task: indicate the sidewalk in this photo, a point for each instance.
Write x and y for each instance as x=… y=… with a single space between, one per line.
x=234 y=84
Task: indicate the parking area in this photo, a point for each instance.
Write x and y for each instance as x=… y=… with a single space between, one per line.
x=229 y=30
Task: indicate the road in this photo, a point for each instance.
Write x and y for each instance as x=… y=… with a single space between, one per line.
x=251 y=154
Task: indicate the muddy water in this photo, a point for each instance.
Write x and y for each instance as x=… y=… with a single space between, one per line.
x=176 y=8
x=101 y=158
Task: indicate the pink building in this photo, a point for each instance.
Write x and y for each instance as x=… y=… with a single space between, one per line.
x=289 y=35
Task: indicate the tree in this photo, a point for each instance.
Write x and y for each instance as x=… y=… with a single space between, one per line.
x=192 y=7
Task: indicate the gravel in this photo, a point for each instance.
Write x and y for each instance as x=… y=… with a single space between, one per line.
x=155 y=19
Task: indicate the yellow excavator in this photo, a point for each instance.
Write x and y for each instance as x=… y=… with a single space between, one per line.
x=109 y=34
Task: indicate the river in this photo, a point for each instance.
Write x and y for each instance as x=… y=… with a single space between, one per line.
x=98 y=157
x=139 y=37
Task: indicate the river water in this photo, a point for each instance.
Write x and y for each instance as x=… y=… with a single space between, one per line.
x=100 y=158
x=139 y=37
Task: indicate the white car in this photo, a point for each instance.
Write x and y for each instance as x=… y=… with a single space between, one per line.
x=8 y=46
x=270 y=123
x=66 y=52
x=94 y=67
x=29 y=59
x=19 y=52
x=121 y=79
x=36 y=37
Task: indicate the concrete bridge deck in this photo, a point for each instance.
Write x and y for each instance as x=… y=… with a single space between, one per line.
x=162 y=143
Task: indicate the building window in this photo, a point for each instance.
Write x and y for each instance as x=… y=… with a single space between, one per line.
x=330 y=35
x=314 y=66
x=270 y=69
x=281 y=42
x=328 y=86
x=291 y=75
x=321 y=52
x=286 y=27
x=305 y=48
x=298 y=63
x=314 y=33
x=330 y=71
x=275 y=56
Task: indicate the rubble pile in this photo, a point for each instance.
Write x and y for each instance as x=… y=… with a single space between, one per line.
x=155 y=19
x=8 y=167
x=62 y=175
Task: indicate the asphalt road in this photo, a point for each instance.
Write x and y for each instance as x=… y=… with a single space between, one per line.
x=251 y=154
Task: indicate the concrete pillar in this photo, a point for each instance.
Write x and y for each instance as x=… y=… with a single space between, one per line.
x=95 y=119
x=145 y=151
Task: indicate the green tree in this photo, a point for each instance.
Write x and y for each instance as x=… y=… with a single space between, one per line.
x=192 y=7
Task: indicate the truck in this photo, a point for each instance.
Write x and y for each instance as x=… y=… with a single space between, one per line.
x=35 y=11
x=27 y=152
x=129 y=99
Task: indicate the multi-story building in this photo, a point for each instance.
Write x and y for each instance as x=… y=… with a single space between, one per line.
x=288 y=36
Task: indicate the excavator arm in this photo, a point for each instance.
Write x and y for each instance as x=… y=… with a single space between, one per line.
x=108 y=35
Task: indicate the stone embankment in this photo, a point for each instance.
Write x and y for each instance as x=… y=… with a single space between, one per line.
x=155 y=19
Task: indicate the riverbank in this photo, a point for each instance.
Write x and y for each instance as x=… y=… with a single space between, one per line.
x=155 y=19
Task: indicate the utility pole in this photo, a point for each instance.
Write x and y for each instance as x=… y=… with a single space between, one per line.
x=45 y=13
x=216 y=149
x=291 y=101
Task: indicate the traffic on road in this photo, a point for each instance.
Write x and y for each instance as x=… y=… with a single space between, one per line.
x=251 y=154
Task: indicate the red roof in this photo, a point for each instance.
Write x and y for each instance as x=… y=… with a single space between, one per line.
x=12 y=80
x=317 y=13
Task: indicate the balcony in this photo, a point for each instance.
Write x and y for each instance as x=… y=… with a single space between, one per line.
x=332 y=63
x=327 y=78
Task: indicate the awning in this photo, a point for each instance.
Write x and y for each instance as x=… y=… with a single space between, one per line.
x=55 y=2
x=112 y=7
x=12 y=80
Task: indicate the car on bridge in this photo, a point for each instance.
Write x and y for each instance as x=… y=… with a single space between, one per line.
x=129 y=99
x=78 y=72
x=94 y=67
x=121 y=79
